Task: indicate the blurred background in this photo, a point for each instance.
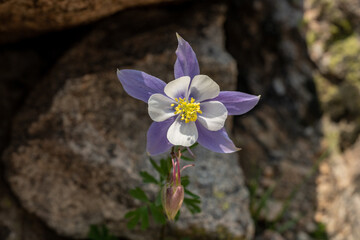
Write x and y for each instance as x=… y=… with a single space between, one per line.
x=72 y=141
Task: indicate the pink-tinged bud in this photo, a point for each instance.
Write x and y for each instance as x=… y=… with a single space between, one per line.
x=172 y=198
x=172 y=194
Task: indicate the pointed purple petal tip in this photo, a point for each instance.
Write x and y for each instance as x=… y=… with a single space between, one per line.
x=140 y=85
x=216 y=141
x=186 y=63
x=237 y=103
x=179 y=38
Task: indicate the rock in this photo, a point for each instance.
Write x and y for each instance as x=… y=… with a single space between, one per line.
x=332 y=30
x=310 y=227
x=270 y=235
x=28 y=18
x=21 y=65
x=338 y=191
x=333 y=38
x=283 y=132
x=268 y=172
x=15 y=81
x=302 y=236
x=78 y=143
x=15 y=223
x=272 y=210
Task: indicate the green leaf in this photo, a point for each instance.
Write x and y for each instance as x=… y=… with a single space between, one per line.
x=192 y=205
x=138 y=193
x=157 y=213
x=187 y=159
x=158 y=199
x=177 y=216
x=144 y=217
x=94 y=233
x=100 y=233
x=130 y=214
x=192 y=200
x=194 y=145
x=193 y=208
x=147 y=178
x=320 y=232
x=155 y=165
x=164 y=168
x=192 y=194
x=165 y=165
x=134 y=220
x=253 y=186
x=185 y=181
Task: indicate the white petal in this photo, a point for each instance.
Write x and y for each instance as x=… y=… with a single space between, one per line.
x=178 y=87
x=182 y=134
x=160 y=108
x=213 y=115
x=202 y=88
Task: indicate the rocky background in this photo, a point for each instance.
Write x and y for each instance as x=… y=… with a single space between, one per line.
x=72 y=141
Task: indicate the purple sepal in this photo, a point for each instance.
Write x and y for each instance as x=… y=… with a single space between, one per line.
x=157 y=141
x=216 y=141
x=186 y=63
x=140 y=85
x=237 y=102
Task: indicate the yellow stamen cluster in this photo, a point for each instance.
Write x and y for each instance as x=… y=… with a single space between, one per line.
x=187 y=109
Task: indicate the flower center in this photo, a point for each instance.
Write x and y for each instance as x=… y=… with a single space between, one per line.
x=187 y=109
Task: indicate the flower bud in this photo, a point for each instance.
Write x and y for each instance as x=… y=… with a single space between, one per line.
x=172 y=197
x=172 y=194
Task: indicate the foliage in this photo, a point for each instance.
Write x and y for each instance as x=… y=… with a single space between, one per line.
x=153 y=208
x=100 y=233
x=320 y=232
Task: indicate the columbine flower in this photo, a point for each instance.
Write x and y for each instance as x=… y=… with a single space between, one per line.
x=188 y=109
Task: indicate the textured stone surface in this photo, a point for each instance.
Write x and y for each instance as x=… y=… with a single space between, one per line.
x=21 y=66
x=79 y=142
x=280 y=138
x=270 y=235
x=21 y=18
x=332 y=33
x=333 y=38
x=338 y=188
x=15 y=223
